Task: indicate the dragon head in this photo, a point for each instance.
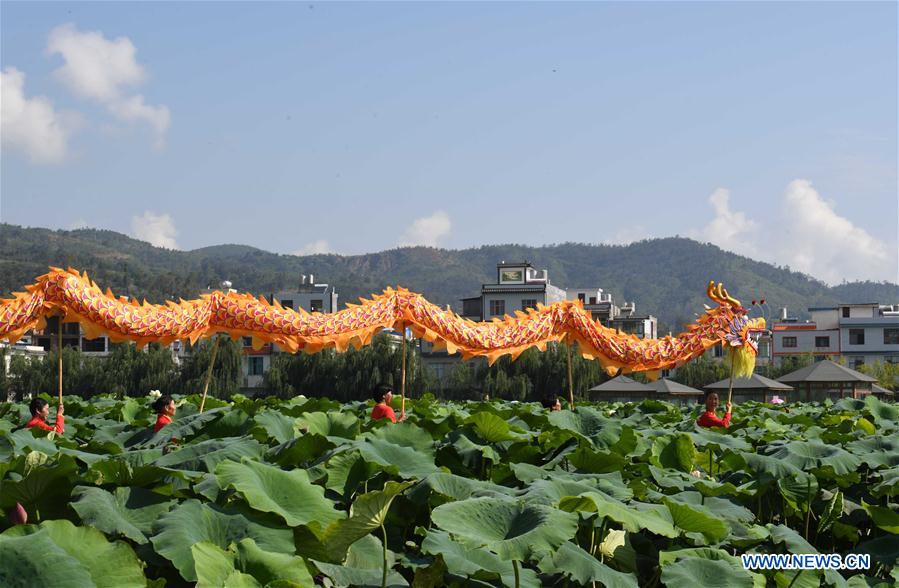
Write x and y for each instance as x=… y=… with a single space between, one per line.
x=742 y=333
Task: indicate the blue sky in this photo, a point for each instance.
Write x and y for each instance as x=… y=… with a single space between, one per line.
x=768 y=129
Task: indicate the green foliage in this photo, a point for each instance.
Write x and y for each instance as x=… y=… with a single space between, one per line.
x=887 y=374
x=701 y=372
x=271 y=492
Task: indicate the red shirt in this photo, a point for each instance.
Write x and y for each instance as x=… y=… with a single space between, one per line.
x=161 y=421
x=39 y=422
x=710 y=419
x=382 y=411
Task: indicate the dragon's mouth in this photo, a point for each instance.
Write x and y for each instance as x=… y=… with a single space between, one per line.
x=753 y=332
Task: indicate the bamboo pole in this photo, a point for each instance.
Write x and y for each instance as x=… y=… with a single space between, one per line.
x=59 y=355
x=215 y=348
x=730 y=387
x=570 y=381
x=403 y=376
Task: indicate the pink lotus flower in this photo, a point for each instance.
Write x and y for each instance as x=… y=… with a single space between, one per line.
x=18 y=515
x=777 y=400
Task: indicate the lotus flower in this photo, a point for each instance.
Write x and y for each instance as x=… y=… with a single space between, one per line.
x=777 y=400
x=154 y=394
x=18 y=515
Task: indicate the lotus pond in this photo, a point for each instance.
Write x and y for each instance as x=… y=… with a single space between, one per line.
x=309 y=492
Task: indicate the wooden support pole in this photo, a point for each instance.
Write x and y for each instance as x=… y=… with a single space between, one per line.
x=215 y=348
x=403 y=376
x=570 y=380
x=59 y=355
x=730 y=387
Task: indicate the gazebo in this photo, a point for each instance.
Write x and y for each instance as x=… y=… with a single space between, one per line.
x=621 y=389
x=828 y=379
x=755 y=387
x=675 y=392
x=882 y=392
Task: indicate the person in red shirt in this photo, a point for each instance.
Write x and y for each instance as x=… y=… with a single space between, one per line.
x=382 y=395
x=709 y=418
x=165 y=410
x=40 y=410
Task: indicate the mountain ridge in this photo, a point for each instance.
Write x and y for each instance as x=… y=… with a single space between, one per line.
x=666 y=277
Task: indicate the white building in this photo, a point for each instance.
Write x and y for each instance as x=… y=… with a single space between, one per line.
x=862 y=333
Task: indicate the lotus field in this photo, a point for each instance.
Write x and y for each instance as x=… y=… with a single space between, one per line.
x=309 y=492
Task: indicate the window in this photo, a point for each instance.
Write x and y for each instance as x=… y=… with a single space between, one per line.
x=287 y=303
x=528 y=303
x=94 y=345
x=497 y=307
x=316 y=305
x=471 y=307
x=254 y=366
x=845 y=312
x=858 y=362
x=822 y=341
x=789 y=341
x=593 y=300
x=582 y=297
x=856 y=336
x=891 y=336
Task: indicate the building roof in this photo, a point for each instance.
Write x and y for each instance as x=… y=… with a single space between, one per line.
x=305 y=289
x=666 y=386
x=881 y=390
x=514 y=287
x=514 y=264
x=754 y=382
x=826 y=371
x=621 y=384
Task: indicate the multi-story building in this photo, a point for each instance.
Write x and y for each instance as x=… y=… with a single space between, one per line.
x=596 y=302
x=627 y=320
x=869 y=333
x=309 y=296
x=861 y=333
x=520 y=286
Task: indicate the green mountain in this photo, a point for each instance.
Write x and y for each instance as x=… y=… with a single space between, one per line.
x=665 y=277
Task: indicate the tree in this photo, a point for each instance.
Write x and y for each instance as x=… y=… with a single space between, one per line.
x=886 y=373
x=701 y=372
x=226 y=373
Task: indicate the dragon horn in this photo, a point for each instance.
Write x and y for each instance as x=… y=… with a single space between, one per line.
x=733 y=301
x=710 y=291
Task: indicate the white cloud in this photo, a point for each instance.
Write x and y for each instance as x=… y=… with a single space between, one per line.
x=103 y=70
x=427 y=231
x=134 y=109
x=818 y=241
x=729 y=229
x=157 y=229
x=808 y=235
x=316 y=247
x=32 y=125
